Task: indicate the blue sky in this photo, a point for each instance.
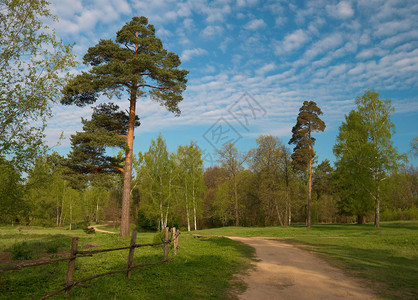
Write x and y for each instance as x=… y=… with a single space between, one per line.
x=253 y=63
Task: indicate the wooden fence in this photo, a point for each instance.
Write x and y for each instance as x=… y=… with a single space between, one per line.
x=75 y=253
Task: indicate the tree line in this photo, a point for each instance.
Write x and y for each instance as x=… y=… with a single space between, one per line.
x=265 y=186
x=268 y=185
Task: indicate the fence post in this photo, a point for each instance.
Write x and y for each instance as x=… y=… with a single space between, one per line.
x=174 y=239
x=166 y=243
x=71 y=264
x=131 y=254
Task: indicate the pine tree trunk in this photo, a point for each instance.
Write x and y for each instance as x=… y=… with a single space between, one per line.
x=309 y=193
x=126 y=196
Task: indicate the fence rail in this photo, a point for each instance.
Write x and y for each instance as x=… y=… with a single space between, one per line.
x=75 y=253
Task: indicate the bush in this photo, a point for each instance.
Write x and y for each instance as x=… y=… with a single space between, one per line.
x=145 y=224
x=22 y=251
x=158 y=237
x=86 y=227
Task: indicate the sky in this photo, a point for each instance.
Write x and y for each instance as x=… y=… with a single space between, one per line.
x=252 y=63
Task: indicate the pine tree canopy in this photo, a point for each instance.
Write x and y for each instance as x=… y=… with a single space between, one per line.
x=107 y=128
x=135 y=63
x=308 y=121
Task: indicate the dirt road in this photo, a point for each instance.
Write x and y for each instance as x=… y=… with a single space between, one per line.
x=101 y=230
x=286 y=272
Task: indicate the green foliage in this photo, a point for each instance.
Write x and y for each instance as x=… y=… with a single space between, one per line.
x=365 y=154
x=189 y=166
x=21 y=251
x=33 y=246
x=31 y=64
x=106 y=129
x=159 y=237
x=86 y=227
x=271 y=164
x=137 y=65
x=157 y=175
x=12 y=205
x=145 y=224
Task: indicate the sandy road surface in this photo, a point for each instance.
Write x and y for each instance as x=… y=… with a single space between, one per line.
x=286 y=272
x=101 y=230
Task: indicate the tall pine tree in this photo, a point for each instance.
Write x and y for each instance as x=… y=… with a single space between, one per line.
x=308 y=121
x=135 y=64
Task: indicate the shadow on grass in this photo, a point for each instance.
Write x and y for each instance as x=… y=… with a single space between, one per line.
x=203 y=269
x=397 y=273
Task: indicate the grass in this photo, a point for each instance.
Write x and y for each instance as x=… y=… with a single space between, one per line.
x=387 y=257
x=203 y=268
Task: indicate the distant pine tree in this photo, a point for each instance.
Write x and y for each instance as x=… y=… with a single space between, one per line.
x=308 y=121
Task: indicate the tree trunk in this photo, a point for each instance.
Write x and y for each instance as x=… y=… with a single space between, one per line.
x=194 y=207
x=126 y=196
x=236 y=201
x=361 y=220
x=71 y=214
x=97 y=210
x=58 y=213
x=377 y=207
x=309 y=193
x=279 y=216
x=187 y=210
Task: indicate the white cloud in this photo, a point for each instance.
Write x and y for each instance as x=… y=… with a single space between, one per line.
x=342 y=10
x=189 y=53
x=328 y=43
x=393 y=27
x=212 y=30
x=255 y=24
x=266 y=69
x=291 y=42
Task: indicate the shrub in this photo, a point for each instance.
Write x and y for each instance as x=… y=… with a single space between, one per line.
x=22 y=251
x=86 y=227
x=144 y=223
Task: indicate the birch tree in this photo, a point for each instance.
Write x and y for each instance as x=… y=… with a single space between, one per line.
x=232 y=161
x=365 y=144
x=31 y=63
x=189 y=160
x=157 y=175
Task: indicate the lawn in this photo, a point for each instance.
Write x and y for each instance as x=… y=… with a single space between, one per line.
x=387 y=257
x=203 y=268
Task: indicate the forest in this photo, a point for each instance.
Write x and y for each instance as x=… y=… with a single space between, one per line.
x=258 y=188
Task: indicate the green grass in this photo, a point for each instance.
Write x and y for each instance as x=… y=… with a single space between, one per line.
x=387 y=257
x=203 y=268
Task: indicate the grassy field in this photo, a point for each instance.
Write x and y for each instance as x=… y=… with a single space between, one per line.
x=386 y=257
x=203 y=268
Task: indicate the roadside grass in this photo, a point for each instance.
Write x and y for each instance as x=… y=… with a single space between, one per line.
x=386 y=257
x=203 y=269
